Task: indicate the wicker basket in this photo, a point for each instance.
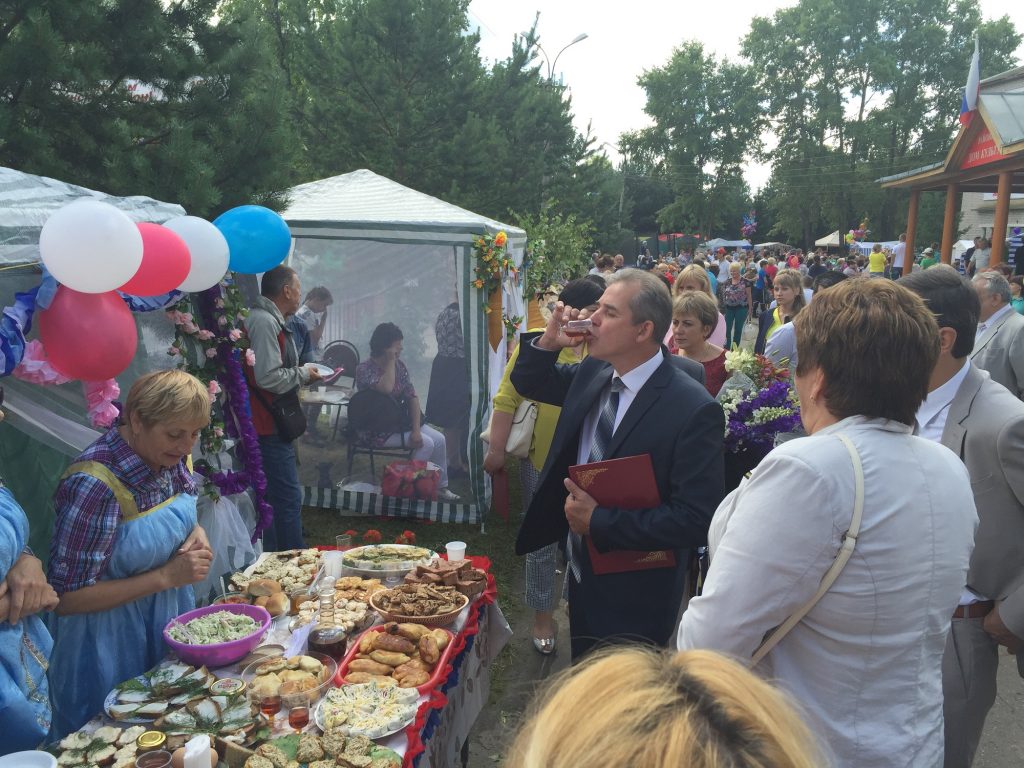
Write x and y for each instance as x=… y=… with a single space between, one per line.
x=441 y=620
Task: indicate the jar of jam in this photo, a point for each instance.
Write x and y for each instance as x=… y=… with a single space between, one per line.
x=151 y=741
x=327 y=636
x=227 y=686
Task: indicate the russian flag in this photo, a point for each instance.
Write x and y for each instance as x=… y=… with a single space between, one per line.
x=969 y=101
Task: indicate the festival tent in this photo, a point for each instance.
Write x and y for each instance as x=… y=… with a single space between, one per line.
x=835 y=240
x=959 y=247
x=719 y=242
x=389 y=253
x=782 y=246
x=45 y=427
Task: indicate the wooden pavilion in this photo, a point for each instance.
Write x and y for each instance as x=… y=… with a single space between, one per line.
x=987 y=156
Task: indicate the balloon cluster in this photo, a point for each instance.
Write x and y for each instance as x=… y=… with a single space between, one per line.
x=858 y=235
x=749 y=224
x=94 y=251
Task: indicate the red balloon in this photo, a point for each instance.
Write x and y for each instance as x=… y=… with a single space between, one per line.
x=165 y=262
x=88 y=336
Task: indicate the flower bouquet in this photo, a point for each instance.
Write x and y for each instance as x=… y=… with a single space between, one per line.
x=758 y=400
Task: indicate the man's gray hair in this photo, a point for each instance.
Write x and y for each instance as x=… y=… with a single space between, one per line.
x=995 y=284
x=652 y=302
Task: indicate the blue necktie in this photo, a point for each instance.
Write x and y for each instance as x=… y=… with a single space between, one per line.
x=598 y=447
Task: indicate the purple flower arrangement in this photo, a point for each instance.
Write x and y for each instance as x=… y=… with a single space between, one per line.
x=753 y=420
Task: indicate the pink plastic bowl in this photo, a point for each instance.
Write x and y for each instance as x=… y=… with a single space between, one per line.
x=218 y=654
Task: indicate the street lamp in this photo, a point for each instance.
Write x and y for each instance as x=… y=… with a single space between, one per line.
x=551 y=66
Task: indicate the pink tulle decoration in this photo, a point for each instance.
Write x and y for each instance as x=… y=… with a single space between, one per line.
x=99 y=395
x=35 y=368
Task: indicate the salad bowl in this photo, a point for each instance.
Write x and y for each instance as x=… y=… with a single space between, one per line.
x=217 y=654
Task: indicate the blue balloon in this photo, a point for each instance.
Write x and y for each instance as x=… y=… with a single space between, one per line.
x=258 y=239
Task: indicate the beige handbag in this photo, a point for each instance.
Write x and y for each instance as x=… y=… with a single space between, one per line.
x=520 y=437
x=845 y=551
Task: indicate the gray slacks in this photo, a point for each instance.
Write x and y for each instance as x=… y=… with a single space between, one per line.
x=969 y=667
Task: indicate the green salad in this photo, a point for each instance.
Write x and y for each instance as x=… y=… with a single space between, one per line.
x=218 y=627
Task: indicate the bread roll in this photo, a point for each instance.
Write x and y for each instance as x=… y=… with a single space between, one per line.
x=369 y=666
x=429 y=651
x=277 y=604
x=263 y=587
x=382 y=641
x=390 y=658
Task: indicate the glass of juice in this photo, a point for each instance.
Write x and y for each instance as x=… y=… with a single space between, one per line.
x=298 y=711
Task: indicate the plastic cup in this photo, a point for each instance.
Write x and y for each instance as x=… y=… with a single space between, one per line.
x=332 y=563
x=322 y=389
x=343 y=541
x=456 y=551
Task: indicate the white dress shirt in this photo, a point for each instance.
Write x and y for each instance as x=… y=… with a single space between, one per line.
x=982 y=327
x=632 y=382
x=866 y=662
x=931 y=416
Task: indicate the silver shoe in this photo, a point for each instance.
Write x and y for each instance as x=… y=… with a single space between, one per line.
x=544 y=645
x=445 y=495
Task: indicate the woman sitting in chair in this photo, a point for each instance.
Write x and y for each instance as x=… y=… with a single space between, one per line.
x=385 y=373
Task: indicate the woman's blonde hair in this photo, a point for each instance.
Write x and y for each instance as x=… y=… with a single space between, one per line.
x=694 y=273
x=168 y=396
x=790 y=278
x=645 y=708
x=699 y=305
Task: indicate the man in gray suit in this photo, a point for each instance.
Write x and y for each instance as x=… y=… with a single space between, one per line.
x=999 y=343
x=982 y=423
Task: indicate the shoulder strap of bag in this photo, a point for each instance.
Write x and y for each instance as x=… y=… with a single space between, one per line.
x=845 y=551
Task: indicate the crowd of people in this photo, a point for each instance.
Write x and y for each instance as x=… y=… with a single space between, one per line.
x=887 y=650
x=868 y=572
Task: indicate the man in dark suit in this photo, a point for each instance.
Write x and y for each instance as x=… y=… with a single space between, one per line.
x=628 y=397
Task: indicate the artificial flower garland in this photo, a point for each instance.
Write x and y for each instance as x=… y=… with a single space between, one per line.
x=492 y=262
x=215 y=358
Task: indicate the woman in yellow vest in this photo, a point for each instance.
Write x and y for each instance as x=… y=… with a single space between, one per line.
x=541 y=594
x=789 y=299
x=126 y=546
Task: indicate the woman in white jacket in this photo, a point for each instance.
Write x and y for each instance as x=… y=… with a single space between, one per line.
x=866 y=661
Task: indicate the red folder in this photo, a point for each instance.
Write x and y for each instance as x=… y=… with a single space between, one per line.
x=626 y=483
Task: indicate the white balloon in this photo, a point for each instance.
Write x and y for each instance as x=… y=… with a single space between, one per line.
x=91 y=246
x=209 y=251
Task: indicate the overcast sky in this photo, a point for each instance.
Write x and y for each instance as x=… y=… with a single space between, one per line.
x=601 y=71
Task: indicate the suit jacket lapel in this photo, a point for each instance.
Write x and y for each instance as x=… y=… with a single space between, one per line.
x=644 y=400
x=989 y=334
x=954 y=432
x=573 y=415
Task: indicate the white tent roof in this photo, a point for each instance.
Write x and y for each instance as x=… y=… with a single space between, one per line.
x=364 y=199
x=833 y=240
x=960 y=246
x=720 y=242
x=26 y=202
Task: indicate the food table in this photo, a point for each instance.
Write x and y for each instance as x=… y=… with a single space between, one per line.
x=445 y=709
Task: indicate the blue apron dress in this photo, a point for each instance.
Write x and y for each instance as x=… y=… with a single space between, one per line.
x=93 y=652
x=24 y=650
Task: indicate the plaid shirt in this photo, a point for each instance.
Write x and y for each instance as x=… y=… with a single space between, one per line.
x=87 y=514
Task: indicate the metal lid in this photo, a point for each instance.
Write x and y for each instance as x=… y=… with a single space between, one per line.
x=151 y=740
x=228 y=686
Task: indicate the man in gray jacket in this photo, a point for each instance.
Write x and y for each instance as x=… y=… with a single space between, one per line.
x=999 y=342
x=276 y=371
x=983 y=424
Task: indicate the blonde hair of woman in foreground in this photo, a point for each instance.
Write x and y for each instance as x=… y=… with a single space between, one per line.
x=645 y=708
